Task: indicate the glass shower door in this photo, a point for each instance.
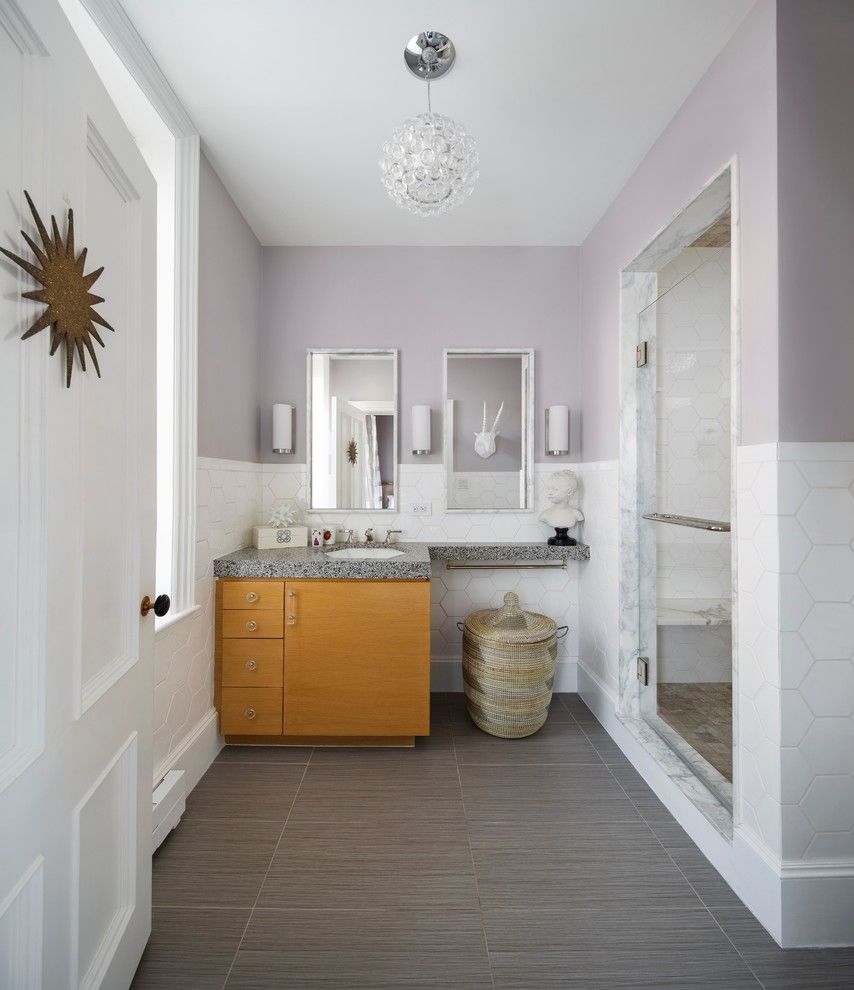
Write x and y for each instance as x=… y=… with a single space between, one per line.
x=684 y=498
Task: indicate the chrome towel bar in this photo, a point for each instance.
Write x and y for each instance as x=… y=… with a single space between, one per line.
x=712 y=525
x=509 y=565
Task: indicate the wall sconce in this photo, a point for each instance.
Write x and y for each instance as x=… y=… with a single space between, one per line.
x=283 y=428
x=421 y=430
x=557 y=430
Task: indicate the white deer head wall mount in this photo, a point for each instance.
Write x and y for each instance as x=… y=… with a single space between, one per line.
x=484 y=442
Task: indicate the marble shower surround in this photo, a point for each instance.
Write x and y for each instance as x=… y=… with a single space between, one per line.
x=637 y=474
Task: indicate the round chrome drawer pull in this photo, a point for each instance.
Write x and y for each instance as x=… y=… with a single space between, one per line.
x=250 y=713
x=251 y=664
x=252 y=597
x=251 y=625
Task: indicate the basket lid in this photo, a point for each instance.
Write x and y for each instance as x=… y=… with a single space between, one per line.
x=510 y=623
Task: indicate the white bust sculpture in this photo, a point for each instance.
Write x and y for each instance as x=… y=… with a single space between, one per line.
x=560 y=489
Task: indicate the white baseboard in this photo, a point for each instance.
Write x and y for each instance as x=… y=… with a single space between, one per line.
x=818 y=910
x=195 y=753
x=446 y=674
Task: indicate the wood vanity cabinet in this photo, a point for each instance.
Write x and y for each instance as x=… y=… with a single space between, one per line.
x=320 y=661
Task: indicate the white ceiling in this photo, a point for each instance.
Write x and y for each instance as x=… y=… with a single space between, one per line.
x=294 y=98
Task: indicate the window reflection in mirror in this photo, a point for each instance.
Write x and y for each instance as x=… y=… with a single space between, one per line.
x=488 y=429
x=352 y=428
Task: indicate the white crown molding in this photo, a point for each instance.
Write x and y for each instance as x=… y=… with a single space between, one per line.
x=115 y=25
x=20 y=30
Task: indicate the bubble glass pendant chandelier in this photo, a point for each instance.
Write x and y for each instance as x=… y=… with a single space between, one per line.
x=430 y=163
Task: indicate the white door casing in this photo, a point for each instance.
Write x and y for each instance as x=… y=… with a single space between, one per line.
x=77 y=521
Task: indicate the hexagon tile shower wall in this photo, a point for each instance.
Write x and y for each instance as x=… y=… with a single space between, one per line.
x=430 y=163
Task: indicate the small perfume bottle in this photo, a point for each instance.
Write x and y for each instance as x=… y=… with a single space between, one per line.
x=317 y=537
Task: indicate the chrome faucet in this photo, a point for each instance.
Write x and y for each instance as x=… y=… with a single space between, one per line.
x=389 y=534
x=369 y=534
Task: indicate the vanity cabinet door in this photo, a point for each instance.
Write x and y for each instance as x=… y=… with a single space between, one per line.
x=357 y=658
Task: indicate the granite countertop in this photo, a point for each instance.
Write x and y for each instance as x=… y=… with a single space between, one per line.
x=412 y=564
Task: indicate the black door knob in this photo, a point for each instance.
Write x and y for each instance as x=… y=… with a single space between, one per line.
x=160 y=605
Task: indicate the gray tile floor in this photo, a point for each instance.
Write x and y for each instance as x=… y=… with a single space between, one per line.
x=470 y=862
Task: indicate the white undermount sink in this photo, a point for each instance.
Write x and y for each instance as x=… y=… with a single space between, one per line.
x=365 y=553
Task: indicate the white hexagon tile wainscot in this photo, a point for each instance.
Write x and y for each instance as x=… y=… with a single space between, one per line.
x=796 y=633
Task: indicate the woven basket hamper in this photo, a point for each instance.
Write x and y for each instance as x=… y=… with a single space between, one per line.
x=509 y=660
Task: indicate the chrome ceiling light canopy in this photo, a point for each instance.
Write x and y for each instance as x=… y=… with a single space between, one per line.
x=430 y=163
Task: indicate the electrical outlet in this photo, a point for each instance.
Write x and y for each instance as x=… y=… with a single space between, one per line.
x=421 y=509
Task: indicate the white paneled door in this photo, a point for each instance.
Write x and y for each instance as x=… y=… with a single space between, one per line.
x=77 y=503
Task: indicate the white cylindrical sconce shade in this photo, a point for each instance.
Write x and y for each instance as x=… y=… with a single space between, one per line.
x=283 y=428
x=421 y=430
x=557 y=430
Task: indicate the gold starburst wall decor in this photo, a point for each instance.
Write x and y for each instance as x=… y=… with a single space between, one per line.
x=65 y=292
x=352 y=451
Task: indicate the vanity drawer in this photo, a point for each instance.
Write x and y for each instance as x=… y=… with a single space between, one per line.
x=252 y=662
x=249 y=623
x=251 y=711
x=261 y=595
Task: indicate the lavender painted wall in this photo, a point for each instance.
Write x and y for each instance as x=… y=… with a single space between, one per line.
x=815 y=85
x=419 y=300
x=731 y=112
x=359 y=379
x=229 y=322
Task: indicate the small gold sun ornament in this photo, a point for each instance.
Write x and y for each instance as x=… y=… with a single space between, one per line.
x=65 y=292
x=352 y=451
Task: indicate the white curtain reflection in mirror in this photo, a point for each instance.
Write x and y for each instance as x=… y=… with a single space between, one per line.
x=352 y=441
